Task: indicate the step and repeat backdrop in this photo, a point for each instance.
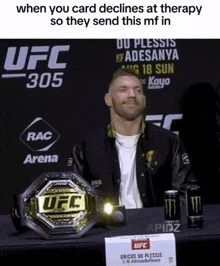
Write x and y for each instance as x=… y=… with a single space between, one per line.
x=52 y=95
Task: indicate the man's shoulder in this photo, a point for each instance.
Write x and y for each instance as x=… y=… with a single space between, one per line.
x=97 y=135
x=154 y=131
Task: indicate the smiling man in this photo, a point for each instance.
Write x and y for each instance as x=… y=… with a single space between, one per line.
x=131 y=162
x=127 y=102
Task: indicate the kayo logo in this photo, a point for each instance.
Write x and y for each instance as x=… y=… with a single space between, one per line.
x=158 y=83
x=39 y=135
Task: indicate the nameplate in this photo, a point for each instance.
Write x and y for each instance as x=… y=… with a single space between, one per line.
x=151 y=250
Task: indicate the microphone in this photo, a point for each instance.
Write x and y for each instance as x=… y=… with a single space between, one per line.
x=119 y=217
x=114 y=215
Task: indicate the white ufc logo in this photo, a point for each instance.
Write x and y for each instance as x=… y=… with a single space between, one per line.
x=140 y=245
x=164 y=121
x=19 y=58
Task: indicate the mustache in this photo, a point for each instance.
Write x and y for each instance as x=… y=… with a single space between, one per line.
x=131 y=101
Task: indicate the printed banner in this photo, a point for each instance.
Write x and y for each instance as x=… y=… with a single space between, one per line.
x=52 y=95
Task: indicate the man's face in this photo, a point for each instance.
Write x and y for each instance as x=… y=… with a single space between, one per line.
x=126 y=97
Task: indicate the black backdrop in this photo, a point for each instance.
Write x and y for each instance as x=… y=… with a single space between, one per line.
x=52 y=94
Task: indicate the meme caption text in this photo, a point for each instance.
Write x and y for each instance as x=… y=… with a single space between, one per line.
x=103 y=15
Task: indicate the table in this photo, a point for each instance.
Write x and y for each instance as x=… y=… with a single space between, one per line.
x=194 y=247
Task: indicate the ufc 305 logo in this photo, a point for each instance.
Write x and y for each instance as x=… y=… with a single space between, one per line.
x=165 y=121
x=20 y=61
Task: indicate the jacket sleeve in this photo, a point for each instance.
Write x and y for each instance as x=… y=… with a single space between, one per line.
x=78 y=161
x=181 y=168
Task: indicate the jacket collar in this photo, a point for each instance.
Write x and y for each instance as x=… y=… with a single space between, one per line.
x=112 y=131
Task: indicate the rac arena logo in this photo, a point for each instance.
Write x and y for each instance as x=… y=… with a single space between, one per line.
x=39 y=136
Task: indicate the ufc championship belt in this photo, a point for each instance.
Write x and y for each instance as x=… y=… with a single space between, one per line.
x=56 y=205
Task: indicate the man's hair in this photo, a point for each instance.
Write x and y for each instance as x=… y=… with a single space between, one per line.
x=123 y=72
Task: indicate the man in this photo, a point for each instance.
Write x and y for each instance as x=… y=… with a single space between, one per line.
x=131 y=162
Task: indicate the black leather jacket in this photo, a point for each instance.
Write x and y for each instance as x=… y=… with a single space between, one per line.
x=161 y=162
